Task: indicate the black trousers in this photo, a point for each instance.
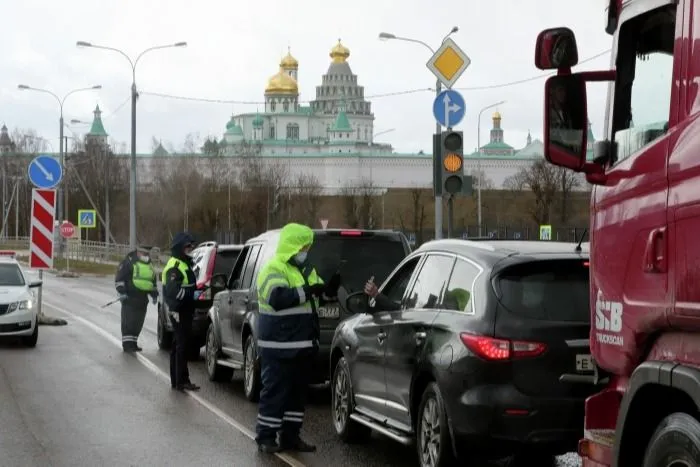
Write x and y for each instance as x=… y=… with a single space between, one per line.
x=285 y=384
x=182 y=330
x=133 y=316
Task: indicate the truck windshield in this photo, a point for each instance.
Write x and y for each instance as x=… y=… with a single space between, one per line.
x=645 y=68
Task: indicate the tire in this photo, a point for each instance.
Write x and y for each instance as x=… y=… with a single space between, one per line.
x=342 y=405
x=30 y=341
x=676 y=441
x=215 y=372
x=433 y=441
x=165 y=338
x=251 y=371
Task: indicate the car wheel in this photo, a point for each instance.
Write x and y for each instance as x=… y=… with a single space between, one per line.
x=215 y=371
x=251 y=370
x=30 y=341
x=434 y=444
x=343 y=404
x=165 y=338
x=675 y=443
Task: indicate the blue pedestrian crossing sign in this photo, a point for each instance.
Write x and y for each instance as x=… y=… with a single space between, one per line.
x=45 y=172
x=449 y=108
x=87 y=219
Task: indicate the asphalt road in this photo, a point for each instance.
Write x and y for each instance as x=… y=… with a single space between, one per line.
x=93 y=336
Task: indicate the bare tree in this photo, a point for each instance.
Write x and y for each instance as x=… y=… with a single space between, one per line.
x=486 y=183
x=307 y=191
x=568 y=182
x=351 y=205
x=543 y=180
x=358 y=202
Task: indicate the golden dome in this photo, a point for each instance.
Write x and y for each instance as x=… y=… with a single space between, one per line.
x=282 y=83
x=289 y=62
x=496 y=115
x=339 y=53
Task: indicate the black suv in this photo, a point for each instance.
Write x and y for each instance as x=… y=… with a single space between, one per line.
x=209 y=259
x=484 y=353
x=356 y=254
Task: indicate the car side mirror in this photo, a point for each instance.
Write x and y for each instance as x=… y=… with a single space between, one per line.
x=357 y=303
x=35 y=284
x=556 y=49
x=218 y=281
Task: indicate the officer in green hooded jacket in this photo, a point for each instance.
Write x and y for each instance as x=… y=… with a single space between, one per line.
x=289 y=293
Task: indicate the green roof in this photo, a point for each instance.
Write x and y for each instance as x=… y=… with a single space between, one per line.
x=258 y=121
x=97 y=128
x=341 y=122
x=233 y=129
x=497 y=145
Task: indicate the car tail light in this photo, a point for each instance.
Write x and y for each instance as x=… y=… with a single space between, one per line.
x=210 y=271
x=491 y=348
x=10 y=253
x=351 y=233
x=586 y=264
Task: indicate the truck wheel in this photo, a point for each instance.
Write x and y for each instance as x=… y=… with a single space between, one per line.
x=343 y=404
x=251 y=370
x=432 y=431
x=165 y=338
x=30 y=341
x=215 y=372
x=676 y=442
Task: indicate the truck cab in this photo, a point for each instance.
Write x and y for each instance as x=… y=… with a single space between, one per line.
x=645 y=219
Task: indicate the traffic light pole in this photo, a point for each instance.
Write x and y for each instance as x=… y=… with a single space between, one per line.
x=450 y=214
x=436 y=160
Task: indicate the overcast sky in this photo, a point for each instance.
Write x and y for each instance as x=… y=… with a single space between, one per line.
x=235 y=46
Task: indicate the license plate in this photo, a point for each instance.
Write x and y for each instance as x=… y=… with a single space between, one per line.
x=328 y=312
x=584 y=363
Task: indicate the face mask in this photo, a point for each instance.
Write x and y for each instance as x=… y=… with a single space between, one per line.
x=300 y=258
x=144 y=259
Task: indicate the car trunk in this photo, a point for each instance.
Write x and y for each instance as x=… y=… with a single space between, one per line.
x=547 y=302
x=357 y=255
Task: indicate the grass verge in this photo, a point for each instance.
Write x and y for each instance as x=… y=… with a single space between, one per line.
x=81 y=267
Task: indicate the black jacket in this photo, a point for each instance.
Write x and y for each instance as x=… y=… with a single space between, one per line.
x=384 y=303
x=124 y=281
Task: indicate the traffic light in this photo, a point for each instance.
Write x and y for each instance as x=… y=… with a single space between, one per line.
x=452 y=161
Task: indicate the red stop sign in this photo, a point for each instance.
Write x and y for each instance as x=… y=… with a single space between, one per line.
x=67 y=229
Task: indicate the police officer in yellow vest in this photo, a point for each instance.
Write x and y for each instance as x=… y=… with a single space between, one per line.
x=178 y=292
x=135 y=281
x=289 y=293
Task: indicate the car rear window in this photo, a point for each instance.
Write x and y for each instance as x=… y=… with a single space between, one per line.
x=357 y=257
x=225 y=259
x=554 y=290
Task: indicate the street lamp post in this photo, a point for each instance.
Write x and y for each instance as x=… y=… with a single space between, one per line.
x=134 y=96
x=478 y=162
x=438 y=128
x=61 y=101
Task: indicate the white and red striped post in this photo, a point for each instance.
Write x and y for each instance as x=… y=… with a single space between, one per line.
x=41 y=234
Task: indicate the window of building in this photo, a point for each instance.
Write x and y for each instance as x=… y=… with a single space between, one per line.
x=285 y=105
x=293 y=131
x=272 y=131
x=273 y=105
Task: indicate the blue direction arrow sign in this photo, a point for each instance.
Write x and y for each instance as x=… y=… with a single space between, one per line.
x=449 y=108
x=45 y=172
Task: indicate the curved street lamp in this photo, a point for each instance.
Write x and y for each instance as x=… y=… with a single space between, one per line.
x=61 y=101
x=438 y=129
x=134 y=96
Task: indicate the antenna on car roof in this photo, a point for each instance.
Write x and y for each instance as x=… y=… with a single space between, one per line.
x=580 y=240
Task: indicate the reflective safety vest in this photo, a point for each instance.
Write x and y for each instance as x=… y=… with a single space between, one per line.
x=285 y=333
x=143 y=276
x=179 y=265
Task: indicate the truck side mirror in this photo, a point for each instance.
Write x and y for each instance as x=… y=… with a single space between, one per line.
x=556 y=49
x=566 y=121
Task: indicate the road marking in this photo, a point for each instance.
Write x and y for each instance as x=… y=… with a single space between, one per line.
x=289 y=460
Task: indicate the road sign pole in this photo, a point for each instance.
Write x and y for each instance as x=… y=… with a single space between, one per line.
x=436 y=162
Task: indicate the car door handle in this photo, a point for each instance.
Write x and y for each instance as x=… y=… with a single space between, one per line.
x=381 y=336
x=420 y=337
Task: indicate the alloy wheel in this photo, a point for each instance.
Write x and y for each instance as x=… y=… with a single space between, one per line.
x=429 y=434
x=249 y=371
x=341 y=405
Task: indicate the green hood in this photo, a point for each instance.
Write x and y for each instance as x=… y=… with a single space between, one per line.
x=293 y=238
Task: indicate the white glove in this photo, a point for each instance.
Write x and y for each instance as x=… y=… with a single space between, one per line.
x=174 y=315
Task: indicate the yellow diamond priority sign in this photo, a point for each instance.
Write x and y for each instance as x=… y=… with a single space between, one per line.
x=448 y=63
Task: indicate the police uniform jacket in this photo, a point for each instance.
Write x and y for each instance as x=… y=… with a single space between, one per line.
x=136 y=280
x=179 y=284
x=287 y=324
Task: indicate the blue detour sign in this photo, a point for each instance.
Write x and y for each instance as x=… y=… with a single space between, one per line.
x=449 y=108
x=45 y=172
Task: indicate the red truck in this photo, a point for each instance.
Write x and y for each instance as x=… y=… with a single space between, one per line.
x=644 y=228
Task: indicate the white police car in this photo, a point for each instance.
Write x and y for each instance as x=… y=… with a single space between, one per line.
x=18 y=313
